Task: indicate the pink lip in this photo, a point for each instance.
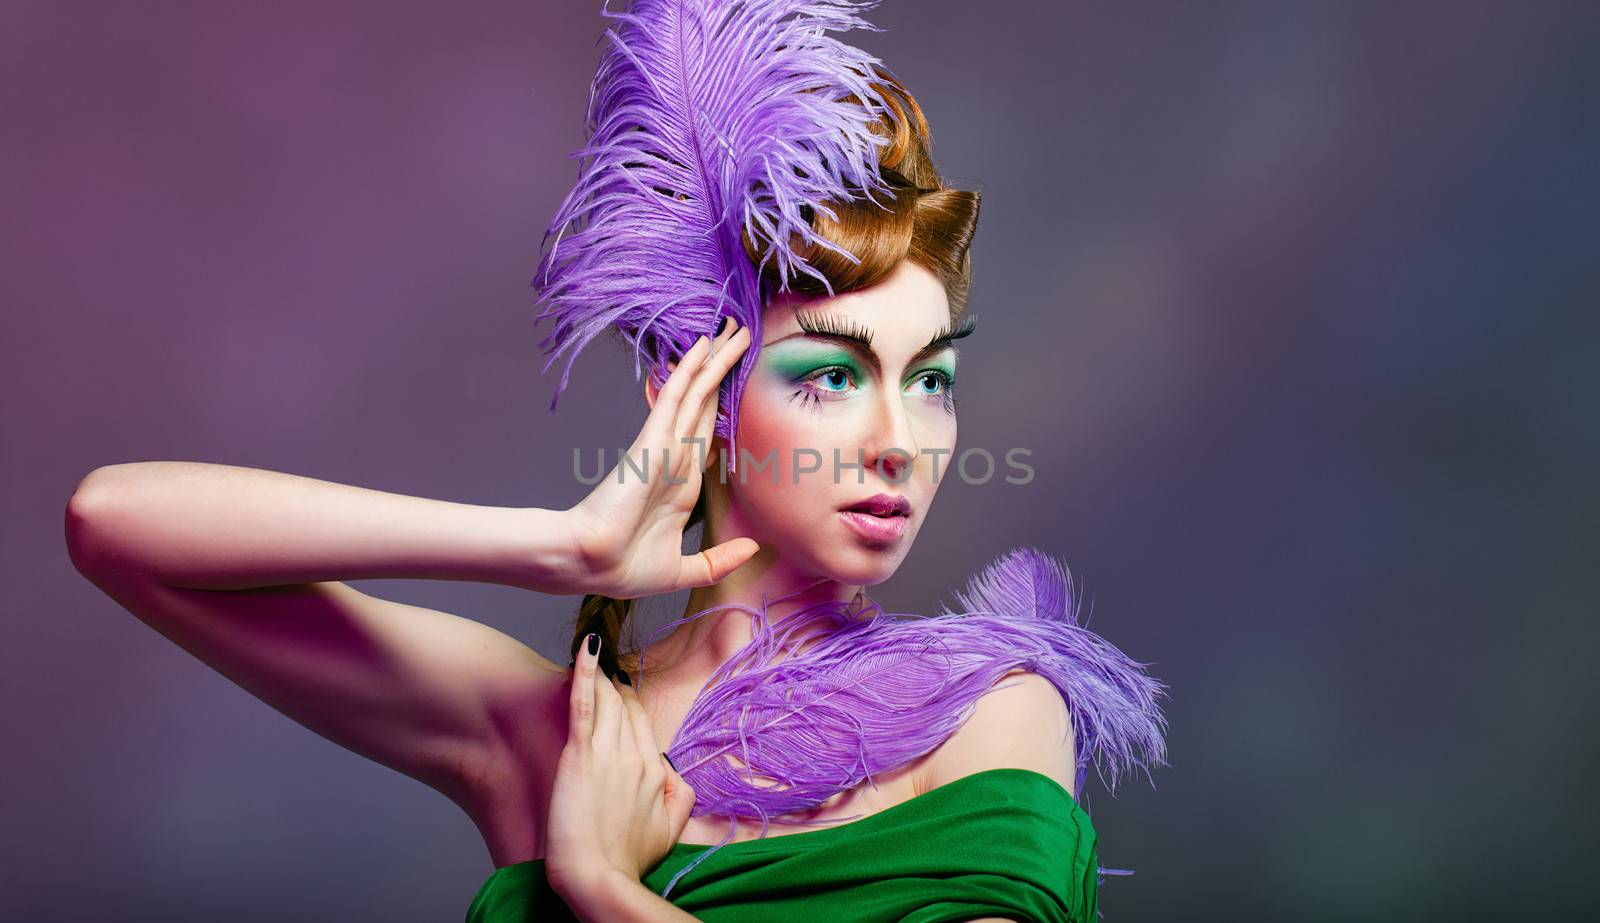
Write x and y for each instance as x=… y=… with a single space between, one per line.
x=875 y=528
x=881 y=505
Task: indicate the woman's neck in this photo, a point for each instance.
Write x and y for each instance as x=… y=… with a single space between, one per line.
x=695 y=649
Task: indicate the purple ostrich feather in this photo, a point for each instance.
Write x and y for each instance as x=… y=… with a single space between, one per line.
x=830 y=695
x=707 y=120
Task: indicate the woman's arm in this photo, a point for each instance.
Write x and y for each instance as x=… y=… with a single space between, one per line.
x=238 y=567
x=221 y=527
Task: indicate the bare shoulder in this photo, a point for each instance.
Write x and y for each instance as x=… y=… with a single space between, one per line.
x=1022 y=722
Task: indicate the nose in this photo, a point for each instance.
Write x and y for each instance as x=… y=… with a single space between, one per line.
x=891 y=446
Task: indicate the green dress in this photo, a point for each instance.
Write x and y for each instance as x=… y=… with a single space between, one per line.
x=1000 y=842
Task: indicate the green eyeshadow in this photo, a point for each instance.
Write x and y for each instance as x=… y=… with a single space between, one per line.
x=797 y=361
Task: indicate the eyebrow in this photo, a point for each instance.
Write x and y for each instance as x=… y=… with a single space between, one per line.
x=859 y=337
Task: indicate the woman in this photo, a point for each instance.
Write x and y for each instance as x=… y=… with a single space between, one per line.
x=893 y=774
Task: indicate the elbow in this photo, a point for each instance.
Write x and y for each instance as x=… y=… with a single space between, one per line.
x=84 y=526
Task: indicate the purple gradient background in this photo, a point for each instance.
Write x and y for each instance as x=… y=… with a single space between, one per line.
x=1291 y=302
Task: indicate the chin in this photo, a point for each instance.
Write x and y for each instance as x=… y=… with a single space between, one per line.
x=848 y=561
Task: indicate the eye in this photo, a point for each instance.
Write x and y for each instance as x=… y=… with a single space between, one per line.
x=935 y=383
x=827 y=384
x=834 y=379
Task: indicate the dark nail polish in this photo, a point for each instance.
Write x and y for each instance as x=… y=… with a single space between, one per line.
x=669 y=761
x=722 y=325
x=594 y=643
x=623 y=675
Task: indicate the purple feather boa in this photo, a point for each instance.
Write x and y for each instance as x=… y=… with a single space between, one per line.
x=707 y=119
x=862 y=692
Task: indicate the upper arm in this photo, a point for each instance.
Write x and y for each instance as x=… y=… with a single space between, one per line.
x=424 y=692
x=1022 y=723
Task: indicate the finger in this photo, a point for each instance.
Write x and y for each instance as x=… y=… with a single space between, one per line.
x=679 y=797
x=661 y=426
x=644 y=736
x=708 y=411
x=714 y=563
x=607 y=710
x=729 y=324
x=622 y=730
x=706 y=425
x=581 y=704
x=671 y=393
x=708 y=418
x=709 y=378
x=694 y=445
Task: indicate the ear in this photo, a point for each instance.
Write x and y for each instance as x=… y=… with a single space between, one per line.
x=651 y=391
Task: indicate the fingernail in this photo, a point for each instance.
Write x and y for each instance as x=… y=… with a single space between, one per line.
x=594 y=643
x=722 y=325
x=623 y=675
x=669 y=761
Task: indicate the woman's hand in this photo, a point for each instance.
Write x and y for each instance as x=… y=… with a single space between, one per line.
x=629 y=535
x=616 y=805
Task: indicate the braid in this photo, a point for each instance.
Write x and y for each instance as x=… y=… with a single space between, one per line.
x=603 y=616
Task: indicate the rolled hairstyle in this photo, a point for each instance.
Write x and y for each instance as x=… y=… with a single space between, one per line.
x=921 y=221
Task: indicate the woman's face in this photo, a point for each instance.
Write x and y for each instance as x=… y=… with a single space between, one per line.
x=850 y=397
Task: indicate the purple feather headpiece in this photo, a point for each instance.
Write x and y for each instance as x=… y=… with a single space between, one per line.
x=709 y=121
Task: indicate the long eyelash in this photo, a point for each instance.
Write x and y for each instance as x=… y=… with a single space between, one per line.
x=806 y=397
x=949 y=392
x=829 y=323
x=956 y=331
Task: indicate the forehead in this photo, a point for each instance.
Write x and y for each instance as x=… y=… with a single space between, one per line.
x=907 y=307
